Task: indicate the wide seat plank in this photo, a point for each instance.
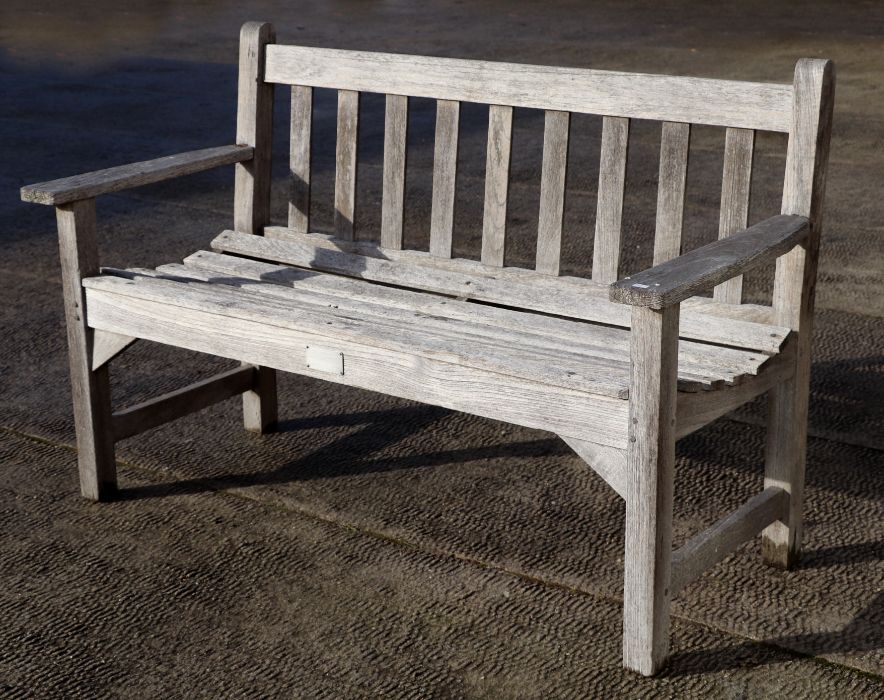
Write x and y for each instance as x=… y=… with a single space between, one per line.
x=571 y=297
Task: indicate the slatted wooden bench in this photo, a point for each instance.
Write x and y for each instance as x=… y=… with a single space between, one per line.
x=620 y=368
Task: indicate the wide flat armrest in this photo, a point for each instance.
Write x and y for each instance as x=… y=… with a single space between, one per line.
x=677 y=279
x=71 y=189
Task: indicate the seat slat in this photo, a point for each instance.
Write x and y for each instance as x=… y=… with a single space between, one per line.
x=299 y=158
x=553 y=334
x=587 y=373
x=735 y=185
x=563 y=296
x=640 y=96
x=674 y=144
x=552 y=191
x=609 y=212
x=444 y=177
x=345 y=163
x=395 y=140
x=497 y=176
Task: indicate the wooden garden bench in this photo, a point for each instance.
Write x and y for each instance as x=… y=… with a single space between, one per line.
x=619 y=368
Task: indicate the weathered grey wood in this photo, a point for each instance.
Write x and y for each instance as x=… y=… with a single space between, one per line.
x=709 y=547
x=254 y=127
x=526 y=289
x=78 y=248
x=697 y=409
x=430 y=380
x=444 y=178
x=497 y=178
x=251 y=199
x=609 y=210
x=608 y=462
x=793 y=300
x=106 y=346
x=649 y=482
x=552 y=191
x=395 y=140
x=89 y=185
x=641 y=96
x=299 y=158
x=735 y=186
x=702 y=268
x=345 y=164
x=534 y=331
x=409 y=335
x=181 y=402
x=675 y=141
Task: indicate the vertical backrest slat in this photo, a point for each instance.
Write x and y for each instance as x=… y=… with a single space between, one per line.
x=395 y=139
x=345 y=163
x=299 y=158
x=254 y=127
x=674 y=144
x=552 y=191
x=444 y=177
x=609 y=212
x=735 y=184
x=497 y=175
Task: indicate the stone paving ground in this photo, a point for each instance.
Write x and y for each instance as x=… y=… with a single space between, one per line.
x=373 y=547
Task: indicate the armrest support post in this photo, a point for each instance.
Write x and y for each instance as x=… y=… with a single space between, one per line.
x=650 y=465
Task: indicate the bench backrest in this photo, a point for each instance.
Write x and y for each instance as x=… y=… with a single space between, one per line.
x=802 y=109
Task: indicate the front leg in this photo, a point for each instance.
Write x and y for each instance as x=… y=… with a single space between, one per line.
x=649 y=486
x=78 y=248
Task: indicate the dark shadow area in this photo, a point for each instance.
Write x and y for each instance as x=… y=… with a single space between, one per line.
x=864 y=633
x=351 y=454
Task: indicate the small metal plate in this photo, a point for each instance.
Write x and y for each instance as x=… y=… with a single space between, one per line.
x=325 y=359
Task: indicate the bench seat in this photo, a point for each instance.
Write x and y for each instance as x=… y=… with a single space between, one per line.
x=332 y=312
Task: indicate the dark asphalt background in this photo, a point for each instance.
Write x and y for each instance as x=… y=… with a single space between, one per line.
x=374 y=547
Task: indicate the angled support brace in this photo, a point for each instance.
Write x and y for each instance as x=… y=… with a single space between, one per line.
x=608 y=462
x=106 y=346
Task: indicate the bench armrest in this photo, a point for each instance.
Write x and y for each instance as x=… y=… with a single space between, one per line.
x=72 y=189
x=675 y=280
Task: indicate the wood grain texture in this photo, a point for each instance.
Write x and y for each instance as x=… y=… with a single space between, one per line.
x=698 y=409
x=637 y=95
x=793 y=300
x=106 y=346
x=345 y=164
x=299 y=157
x=254 y=127
x=395 y=142
x=735 y=186
x=702 y=268
x=572 y=297
x=674 y=148
x=552 y=191
x=609 y=210
x=608 y=462
x=709 y=547
x=497 y=179
x=88 y=185
x=181 y=402
x=444 y=178
x=78 y=248
x=558 y=337
x=429 y=380
x=650 y=464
